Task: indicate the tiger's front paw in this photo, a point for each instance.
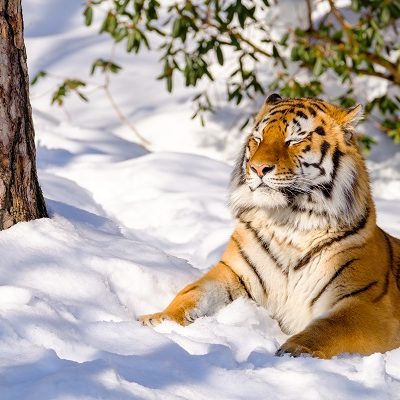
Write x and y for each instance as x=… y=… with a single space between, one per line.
x=153 y=319
x=296 y=349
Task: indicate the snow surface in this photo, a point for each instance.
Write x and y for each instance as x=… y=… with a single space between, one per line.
x=128 y=230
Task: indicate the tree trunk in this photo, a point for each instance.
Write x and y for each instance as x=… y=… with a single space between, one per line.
x=21 y=198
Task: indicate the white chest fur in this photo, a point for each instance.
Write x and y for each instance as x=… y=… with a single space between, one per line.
x=274 y=252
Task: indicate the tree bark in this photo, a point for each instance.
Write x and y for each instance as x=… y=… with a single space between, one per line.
x=21 y=198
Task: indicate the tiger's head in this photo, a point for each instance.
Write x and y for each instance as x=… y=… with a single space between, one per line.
x=302 y=156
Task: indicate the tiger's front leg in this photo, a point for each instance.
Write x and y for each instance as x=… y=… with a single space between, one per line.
x=205 y=296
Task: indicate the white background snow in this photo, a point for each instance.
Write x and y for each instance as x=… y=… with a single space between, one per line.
x=128 y=230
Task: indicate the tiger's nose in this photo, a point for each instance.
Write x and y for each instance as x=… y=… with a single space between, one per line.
x=261 y=169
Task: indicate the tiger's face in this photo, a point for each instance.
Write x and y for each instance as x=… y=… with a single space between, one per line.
x=301 y=152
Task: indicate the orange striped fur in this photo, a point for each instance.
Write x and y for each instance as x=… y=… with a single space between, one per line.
x=306 y=245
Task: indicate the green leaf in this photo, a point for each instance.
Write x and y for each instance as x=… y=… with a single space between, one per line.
x=105 y=66
x=88 y=14
x=176 y=28
x=366 y=143
x=338 y=35
x=169 y=83
x=284 y=39
x=220 y=56
x=131 y=42
x=385 y=15
x=109 y=23
x=40 y=74
x=318 y=67
x=74 y=83
x=356 y=5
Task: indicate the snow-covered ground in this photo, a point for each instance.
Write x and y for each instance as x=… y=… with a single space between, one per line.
x=128 y=230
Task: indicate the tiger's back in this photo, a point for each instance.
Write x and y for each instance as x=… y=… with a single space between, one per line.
x=306 y=244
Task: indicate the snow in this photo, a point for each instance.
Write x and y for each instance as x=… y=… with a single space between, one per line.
x=128 y=230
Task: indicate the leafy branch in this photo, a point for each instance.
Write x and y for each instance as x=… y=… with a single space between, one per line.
x=198 y=38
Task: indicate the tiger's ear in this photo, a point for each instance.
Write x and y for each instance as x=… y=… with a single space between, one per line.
x=270 y=101
x=348 y=119
x=352 y=116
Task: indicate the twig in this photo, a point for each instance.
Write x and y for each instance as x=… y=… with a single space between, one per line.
x=124 y=118
x=250 y=43
x=118 y=111
x=341 y=19
x=309 y=15
x=239 y=36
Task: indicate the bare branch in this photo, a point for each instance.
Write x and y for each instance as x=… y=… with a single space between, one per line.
x=309 y=15
x=341 y=19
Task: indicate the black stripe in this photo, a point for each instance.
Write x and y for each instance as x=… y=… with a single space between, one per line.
x=318 y=106
x=280 y=107
x=296 y=102
x=243 y=283
x=348 y=192
x=335 y=275
x=277 y=111
x=230 y=297
x=302 y=210
x=356 y=292
x=318 y=101
x=315 y=165
x=345 y=250
x=397 y=274
x=250 y=264
x=312 y=111
x=297 y=123
x=241 y=210
x=265 y=245
x=301 y=114
x=327 y=188
x=245 y=157
x=324 y=148
x=290 y=105
x=240 y=279
x=306 y=259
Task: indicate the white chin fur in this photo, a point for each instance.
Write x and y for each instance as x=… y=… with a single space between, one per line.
x=243 y=197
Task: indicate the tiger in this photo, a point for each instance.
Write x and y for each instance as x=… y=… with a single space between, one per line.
x=306 y=245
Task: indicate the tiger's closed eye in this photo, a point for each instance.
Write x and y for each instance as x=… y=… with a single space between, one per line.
x=292 y=142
